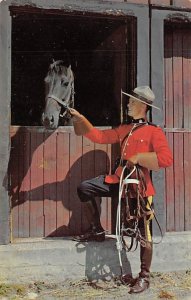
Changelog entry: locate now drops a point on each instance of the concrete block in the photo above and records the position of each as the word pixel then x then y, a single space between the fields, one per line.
pixel 58 259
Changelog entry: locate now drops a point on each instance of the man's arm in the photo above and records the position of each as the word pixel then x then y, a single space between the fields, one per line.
pixel 81 124
pixel 161 157
pixel 83 127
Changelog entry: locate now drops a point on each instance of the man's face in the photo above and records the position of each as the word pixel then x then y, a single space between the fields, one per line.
pixel 136 109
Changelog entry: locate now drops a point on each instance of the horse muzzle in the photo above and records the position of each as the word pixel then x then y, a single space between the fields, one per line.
pixel 50 122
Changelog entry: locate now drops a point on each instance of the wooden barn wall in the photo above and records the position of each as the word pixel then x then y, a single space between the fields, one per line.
pixel 45 169
pixel 115 7
pixel 178 126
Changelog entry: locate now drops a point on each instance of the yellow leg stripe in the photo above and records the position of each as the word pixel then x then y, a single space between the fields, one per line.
pixel 148 232
pixel 150 201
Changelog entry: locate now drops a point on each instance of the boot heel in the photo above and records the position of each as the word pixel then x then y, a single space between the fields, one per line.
pixel 100 237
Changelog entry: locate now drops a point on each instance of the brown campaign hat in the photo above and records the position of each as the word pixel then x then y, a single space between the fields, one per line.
pixel 143 94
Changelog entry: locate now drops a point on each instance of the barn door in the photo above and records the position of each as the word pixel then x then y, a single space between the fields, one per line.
pixel 177 60
pixel 46 167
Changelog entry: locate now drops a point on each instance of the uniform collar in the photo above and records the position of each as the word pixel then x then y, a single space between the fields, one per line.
pixel 138 121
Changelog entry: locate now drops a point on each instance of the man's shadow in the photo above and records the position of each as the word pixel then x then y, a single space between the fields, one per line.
pixel 57 202
pixel 102 260
pixel 54 207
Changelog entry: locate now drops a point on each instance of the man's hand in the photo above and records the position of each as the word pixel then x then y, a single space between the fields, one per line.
pixel 76 116
pixel 147 160
pixel 81 124
pixel 133 160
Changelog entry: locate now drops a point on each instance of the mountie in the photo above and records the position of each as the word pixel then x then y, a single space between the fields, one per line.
pixel 144 148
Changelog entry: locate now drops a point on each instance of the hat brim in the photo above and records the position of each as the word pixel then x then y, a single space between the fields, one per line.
pixel 140 100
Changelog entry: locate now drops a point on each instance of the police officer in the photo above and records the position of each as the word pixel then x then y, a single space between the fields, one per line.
pixel 144 145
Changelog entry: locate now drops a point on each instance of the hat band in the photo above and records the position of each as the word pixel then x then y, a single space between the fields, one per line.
pixel 142 98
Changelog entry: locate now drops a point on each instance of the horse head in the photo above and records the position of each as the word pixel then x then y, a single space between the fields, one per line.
pixel 59 89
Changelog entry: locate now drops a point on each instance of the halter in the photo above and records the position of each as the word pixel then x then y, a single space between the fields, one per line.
pixel 71 95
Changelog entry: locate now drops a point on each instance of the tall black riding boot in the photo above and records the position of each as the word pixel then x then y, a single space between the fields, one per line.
pixel 146 251
pixel 96 231
pixel 143 281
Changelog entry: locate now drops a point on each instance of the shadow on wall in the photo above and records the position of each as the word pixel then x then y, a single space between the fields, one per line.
pixel 43 190
pixel 53 208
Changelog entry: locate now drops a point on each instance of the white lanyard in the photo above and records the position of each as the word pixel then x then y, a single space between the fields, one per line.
pixel 123 149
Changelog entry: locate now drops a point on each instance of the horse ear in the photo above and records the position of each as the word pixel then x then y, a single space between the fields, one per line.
pixel 69 69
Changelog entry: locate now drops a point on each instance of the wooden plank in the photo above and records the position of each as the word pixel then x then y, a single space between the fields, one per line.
pixel 24 183
pixel 88 161
pixel 169 101
pixel 169 190
pixel 36 185
pixel 20 178
pixel 177 77
pixel 75 179
pixel 102 159
pixel 63 178
pixel 50 184
pixel 187 175
pixel 169 122
pixel 186 57
pixel 187 123
pixel 180 130
pixel 88 172
pixel 102 166
pixel 14 182
pixel 179 182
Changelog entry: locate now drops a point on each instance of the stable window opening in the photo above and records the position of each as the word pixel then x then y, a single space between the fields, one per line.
pixel 102 52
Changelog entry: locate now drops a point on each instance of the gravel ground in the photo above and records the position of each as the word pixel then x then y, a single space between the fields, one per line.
pixel 175 285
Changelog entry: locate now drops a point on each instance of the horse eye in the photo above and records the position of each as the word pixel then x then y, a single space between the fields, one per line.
pixel 64 83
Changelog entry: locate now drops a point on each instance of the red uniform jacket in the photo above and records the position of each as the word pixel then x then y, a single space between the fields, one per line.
pixel 147 138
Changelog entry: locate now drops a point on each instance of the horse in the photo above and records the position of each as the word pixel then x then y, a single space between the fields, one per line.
pixel 59 90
